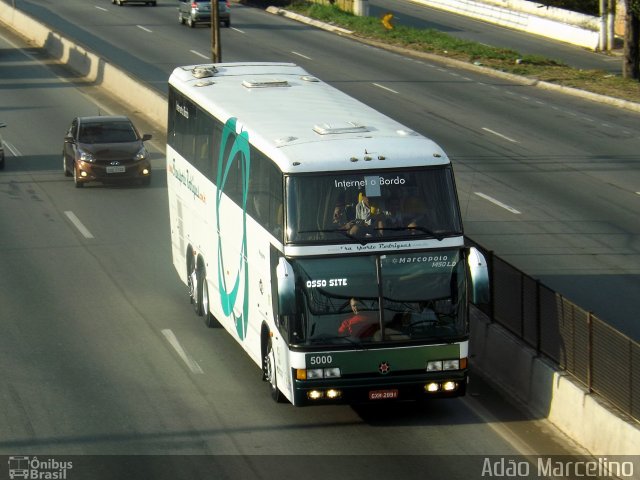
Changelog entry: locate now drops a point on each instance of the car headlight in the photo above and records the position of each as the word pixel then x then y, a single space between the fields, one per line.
pixel 86 156
pixel 142 154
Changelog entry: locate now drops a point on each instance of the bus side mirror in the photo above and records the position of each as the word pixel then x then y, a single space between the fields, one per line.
pixel 286 288
pixel 479 275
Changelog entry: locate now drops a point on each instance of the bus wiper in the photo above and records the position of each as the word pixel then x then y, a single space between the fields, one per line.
pixel 419 228
pixel 328 338
pixel 361 241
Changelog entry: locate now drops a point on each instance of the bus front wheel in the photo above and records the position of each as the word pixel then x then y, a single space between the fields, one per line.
pixel 269 373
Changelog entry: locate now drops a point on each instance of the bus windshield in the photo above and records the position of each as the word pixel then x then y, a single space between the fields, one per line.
pixel 372 206
pixel 420 298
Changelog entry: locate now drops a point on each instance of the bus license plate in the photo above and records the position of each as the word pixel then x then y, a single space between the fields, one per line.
pixel 118 169
pixel 383 394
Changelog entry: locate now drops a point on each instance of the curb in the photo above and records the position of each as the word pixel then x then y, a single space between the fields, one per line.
pixel 309 21
pixel 595 97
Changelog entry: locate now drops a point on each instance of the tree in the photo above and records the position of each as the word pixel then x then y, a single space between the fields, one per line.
pixel 631 62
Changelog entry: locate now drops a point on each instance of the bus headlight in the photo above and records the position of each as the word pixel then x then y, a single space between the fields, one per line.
pixel 314 373
pixel 315 394
pixel 440 365
pixel 451 364
pixel 334 394
pixel 333 372
pixel 449 386
pixel 432 387
pixel 434 366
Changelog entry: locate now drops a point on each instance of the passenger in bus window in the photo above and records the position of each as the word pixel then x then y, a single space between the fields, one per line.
pixel 415 213
pixel 361 323
pixel 369 218
pixel 363 211
pixel 342 214
pixel 392 217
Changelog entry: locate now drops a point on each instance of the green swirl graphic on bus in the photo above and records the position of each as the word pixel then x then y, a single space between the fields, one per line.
pixel 238 152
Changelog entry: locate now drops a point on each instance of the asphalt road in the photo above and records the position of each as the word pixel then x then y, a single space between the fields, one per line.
pixel 90 300
pixel 566 168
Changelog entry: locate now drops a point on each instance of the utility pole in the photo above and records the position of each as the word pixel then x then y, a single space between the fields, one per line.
pixel 631 62
pixel 216 51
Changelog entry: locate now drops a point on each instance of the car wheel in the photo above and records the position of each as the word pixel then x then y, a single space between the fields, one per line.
pixel 76 181
pixel 113 1
pixel 180 18
pixel 269 373
pixel 64 167
pixel 227 23
pixel 119 2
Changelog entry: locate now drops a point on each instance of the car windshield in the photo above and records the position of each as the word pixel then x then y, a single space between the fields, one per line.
pixel 372 206
pixel 112 132
pixel 339 302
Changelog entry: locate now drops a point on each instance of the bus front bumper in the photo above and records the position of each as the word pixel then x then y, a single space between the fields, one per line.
pixel 380 389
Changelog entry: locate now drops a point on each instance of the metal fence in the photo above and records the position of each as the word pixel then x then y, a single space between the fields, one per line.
pixel 606 361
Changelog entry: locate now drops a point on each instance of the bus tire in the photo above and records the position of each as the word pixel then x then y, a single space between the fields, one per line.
pixel 199 290
pixel 209 319
pixel 269 373
pixel 193 282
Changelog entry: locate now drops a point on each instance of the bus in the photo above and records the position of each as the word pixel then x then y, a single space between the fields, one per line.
pixel 325 237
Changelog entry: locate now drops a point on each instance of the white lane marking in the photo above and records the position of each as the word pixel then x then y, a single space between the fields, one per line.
pixel 385 88
pixel 238 30
pixel 101 8
pixel 499 135
pixel 173 341
pixel 144 28
pixel 498 203
pixel 78 224
pixel 301 55
pixel 14 151
pixel 199 54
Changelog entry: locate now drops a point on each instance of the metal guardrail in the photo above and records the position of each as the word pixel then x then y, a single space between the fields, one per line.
pixel 606 361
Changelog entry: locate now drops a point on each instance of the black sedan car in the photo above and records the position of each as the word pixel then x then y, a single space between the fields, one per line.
pixel 105 149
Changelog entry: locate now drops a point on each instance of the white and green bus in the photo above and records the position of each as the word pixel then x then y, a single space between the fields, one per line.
pixel 325 237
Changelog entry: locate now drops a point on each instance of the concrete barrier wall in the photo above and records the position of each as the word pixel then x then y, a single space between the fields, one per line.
pixel 570 27
pixel 499 356
pixel 549 393
pixel 93 68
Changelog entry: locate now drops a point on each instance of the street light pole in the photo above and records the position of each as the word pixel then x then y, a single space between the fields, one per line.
pixel 216 53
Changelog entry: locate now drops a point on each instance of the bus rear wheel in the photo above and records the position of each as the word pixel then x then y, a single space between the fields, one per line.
pixel 194 284
pixel 209 319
